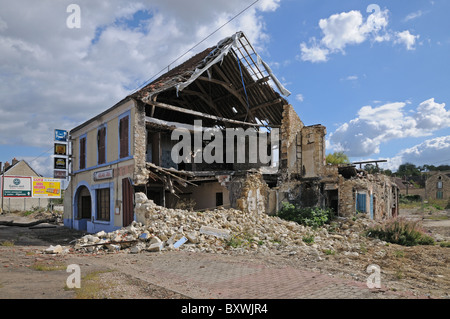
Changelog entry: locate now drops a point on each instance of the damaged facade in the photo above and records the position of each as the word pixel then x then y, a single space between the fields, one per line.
pixel 128 148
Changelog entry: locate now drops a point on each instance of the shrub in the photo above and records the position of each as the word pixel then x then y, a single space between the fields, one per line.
pixel 309 239
pixel 402 232
pixel 308 216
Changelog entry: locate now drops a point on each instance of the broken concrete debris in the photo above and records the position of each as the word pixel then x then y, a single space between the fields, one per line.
pixel 227 231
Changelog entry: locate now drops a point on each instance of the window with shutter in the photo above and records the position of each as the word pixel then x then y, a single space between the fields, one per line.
pixel 101 144
pixel 123 136
pixel 103 204
pixel 83 153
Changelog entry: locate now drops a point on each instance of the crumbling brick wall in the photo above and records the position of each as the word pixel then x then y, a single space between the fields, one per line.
pixel 140 146
pixel 290 134
pixel 254 194
pixel 312 150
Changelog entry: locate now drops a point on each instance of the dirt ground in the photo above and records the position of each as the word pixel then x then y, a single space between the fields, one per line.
pixel 26 272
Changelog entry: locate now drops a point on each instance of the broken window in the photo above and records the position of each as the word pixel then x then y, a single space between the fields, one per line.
pixel 103 204
pixel 219 199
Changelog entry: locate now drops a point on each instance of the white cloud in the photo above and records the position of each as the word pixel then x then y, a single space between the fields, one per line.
pixel 435 151
pixel 55 77
pixel 350 28
pixel 406 38
pixel 314 53
pixel 299 97
pixel 413 15
pixel 374 126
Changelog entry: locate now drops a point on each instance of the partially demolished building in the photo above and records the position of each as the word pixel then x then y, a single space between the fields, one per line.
pixel 134 147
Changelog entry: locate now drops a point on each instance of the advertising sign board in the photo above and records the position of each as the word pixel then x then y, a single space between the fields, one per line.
pixel 17 186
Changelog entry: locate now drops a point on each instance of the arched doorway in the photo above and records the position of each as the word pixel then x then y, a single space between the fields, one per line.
pixel 83 207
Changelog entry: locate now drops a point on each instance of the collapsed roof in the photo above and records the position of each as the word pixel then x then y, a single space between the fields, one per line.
pixel 225 85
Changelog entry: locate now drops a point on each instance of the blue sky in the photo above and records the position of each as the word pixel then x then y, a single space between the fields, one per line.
pixel 378 79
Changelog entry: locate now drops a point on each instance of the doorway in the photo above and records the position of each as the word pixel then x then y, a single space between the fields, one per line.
pixel 83 209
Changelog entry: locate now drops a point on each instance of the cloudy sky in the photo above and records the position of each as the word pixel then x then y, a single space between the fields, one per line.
pixel 375 73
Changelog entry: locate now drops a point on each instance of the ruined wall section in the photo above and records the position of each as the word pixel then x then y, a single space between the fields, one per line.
pixel 313 150
pixel 382 190
pixel 290 135
pixel 254 194
pixel 140 146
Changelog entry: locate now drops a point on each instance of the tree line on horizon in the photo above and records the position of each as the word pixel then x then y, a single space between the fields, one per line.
pixel 404 170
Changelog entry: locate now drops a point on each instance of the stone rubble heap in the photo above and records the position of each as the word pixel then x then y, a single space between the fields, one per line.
pixel 225 231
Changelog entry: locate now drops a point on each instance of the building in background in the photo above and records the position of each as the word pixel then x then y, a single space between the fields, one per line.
pixel 20 202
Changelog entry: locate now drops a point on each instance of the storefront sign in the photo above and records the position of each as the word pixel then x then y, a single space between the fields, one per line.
pixel 60 149
pixel 60 174
pixel 60 163
pixel 106 174
pixel 60 135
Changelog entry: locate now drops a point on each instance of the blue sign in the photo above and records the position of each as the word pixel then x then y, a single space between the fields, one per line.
pixel 60 135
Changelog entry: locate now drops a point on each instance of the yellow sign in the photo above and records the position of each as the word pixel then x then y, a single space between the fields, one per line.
pixel 46 187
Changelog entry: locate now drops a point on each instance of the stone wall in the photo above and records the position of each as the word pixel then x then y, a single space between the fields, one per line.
pixel 140 146
pixel 290 134
pixel 254 194
pixel 383 191
pixel 312 150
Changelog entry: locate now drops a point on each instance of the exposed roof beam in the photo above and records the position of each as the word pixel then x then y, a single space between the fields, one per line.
pixel 263 105
pixel 196 113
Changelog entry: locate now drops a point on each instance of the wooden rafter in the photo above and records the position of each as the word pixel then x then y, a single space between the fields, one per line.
pixel 200 114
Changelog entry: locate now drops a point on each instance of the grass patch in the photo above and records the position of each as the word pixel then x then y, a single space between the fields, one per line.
pixel 442 217
pixel 329 251
pixel 445 244
pixel 399 253
pixel 92 286
pixel 7 243
pixel 239 240
pixel 308 239
pixel 48 266
pixel 402 232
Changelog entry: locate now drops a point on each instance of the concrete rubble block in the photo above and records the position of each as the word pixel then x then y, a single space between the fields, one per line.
pixel 54 249
pixel 113 247
pixel 140 198
pixel 137 248
pixel 192 237
pixel 155 240
pixel 101 234
pixel 154 247
pixel 220 233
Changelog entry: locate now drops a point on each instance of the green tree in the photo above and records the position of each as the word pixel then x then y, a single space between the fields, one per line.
pixel 337 158
pixel 408 169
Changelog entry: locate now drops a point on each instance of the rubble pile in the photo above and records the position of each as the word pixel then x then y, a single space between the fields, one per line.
pixel 224 231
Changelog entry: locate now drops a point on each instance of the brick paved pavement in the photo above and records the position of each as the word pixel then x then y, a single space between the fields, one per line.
pixel 219 276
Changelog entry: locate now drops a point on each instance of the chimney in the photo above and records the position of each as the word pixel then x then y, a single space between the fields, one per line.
pixel 14 161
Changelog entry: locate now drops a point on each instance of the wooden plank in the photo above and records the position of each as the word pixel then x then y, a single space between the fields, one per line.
pixel 200 114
